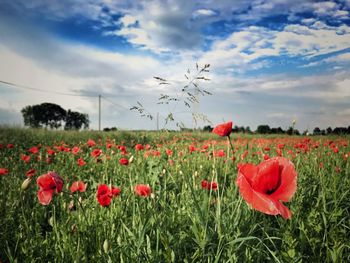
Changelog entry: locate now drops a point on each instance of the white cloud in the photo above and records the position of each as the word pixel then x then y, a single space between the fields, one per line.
pixel 203 13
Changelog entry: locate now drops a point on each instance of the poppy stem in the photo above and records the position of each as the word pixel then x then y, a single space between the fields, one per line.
pixel 78 201
pixel 232 148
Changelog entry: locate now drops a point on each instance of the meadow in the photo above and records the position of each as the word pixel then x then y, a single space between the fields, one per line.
pixel 167 197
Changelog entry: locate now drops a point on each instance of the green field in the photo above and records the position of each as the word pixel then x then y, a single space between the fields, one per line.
pixel 179 221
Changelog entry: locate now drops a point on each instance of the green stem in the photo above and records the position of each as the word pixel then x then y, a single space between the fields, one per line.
pixel 80 204
pixel 232 148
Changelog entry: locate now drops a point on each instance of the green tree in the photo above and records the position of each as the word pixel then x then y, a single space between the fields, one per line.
pixel 53 116
pixel 76 120
pixel 263 129
pixel 30 117
pixel 45 114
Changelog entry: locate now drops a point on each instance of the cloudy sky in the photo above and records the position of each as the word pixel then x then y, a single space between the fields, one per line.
pixel 270 61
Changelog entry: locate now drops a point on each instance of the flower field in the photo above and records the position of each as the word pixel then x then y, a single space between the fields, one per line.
pixel 173 197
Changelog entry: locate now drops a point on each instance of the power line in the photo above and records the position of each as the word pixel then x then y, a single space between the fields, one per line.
pixel 115 104
pixel 45 91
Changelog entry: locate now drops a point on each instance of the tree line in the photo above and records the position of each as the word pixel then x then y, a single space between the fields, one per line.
pixel 265 129
pixel 50 115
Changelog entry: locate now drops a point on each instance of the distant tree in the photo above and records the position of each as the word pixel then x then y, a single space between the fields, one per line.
pixel 248 130
pixel 340 130
pixel 31 117
pixel 329 130
pixel 207 128
pixel 263 129
pixel 45 114
pixel 53 116
pixel 317 131
pixel 76 120
pixel 292 131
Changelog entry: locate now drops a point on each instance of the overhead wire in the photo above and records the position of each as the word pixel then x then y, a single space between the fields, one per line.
pixel 45 91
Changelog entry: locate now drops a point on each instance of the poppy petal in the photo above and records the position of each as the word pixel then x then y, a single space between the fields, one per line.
pixel 283 210
pixel 249 171
pixel 45 196
pixel 258 201
pixel 268 177
pixel 288 184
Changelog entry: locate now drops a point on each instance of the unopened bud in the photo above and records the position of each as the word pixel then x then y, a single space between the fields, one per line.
pixel 131 158
pixel 26 183
pixel 51 221
pixel 106 246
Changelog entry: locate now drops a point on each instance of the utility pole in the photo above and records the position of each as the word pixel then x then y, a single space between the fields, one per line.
pixel 99 112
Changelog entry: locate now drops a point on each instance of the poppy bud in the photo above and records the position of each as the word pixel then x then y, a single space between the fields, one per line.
pixel 26 183
pixel 106 246
pixel 51 221
pixel 131 158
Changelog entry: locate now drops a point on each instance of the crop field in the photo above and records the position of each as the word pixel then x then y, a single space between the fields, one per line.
pixel 173 197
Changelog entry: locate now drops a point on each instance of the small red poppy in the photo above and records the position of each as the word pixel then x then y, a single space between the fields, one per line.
pixel 34 150
pixel 209 185
pixel 4 171
pixel 124 161
pixel 224 129
pixel 115 191
pixel 264 186
pixel 30 173
pixel 138 147
pixel 75 150
pixel 25 158
pixel 48 184
pixel 96 153
pixel 81 162
pixel 91 143
pixel 10 146
pixel 143 190
pixel 104 195
pixel 78 186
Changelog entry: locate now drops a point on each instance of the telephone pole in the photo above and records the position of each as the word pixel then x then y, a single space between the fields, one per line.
pixel 99 112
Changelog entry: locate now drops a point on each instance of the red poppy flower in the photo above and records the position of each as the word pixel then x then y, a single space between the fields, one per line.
pixel 143 190
pixel 50 151
pixel 91 143
pixel 78 186
pixel 115 191
pixel 34 150
pixel 209 185
pixel 30 173
pixel 25 158
pixel 48 184
pixel 96 153
pixel 81 162
pixel 75 150
pixel 104 195
pixel 224 129
pixel 138 147
pixel 4 171
pixel 124 161
pixel 264 186
pixel 10 146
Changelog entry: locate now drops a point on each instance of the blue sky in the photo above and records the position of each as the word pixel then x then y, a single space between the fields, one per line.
pixel 271 61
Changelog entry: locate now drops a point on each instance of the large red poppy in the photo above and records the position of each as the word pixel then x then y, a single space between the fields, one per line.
pixel 48 184
pixel 264 186
pixel 224 129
